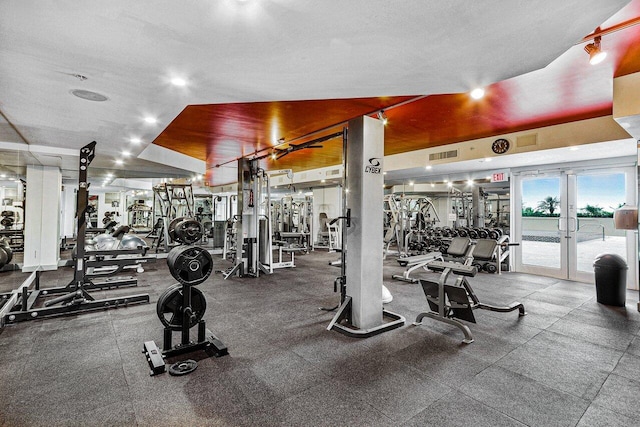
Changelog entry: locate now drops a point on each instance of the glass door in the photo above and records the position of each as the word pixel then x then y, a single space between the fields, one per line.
pixel 564 219
pixel 597 195
pixel 539 221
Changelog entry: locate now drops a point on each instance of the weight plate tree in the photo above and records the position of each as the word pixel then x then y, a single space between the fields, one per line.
pixel 182 307
pixel 190 265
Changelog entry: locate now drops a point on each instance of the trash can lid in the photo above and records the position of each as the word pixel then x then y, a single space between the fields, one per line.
pixel 610 261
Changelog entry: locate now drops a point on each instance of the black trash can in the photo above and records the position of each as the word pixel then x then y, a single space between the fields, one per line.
pixel 611 279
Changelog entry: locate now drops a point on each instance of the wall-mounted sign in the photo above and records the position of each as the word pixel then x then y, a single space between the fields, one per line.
pixel 499 176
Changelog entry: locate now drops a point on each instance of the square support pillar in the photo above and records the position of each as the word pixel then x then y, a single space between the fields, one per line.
pixel 365 152
pixel 42 218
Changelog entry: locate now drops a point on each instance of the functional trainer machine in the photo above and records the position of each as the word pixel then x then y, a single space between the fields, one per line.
pixel 448 303
pixel 74 298
pixel 361 313
pixel 180 308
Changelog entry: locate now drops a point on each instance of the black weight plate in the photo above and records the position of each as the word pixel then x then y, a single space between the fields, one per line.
pixel 190 265
pixel 183 368
pixel 170 305
pixel 493 234
pixel 172 227
pixel 188 231
pixel 9 252
pixel 4 258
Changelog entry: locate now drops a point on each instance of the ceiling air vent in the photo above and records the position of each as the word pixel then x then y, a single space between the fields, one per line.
pixel 527 140
pixel 443 155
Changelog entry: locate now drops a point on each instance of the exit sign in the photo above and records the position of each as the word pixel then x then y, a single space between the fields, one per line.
pixel 499 176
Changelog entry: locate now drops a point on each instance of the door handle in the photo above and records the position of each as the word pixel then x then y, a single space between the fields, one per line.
pixel 561 219
pixel 575 224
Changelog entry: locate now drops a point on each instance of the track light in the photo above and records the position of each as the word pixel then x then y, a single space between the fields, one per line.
pixel 383 117
pixel 596 55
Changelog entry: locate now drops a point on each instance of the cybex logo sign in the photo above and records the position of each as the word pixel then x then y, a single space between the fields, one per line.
pixel 373 166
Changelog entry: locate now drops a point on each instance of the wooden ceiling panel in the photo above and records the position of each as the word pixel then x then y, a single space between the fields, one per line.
pixel 568 89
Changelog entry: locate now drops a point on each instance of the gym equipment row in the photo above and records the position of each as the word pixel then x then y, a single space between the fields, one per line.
pixel 75 297
pixel 488 255
pixel 109 253
pixel 448 303
pixel 180 308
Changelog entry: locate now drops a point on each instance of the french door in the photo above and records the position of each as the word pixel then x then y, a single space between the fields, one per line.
pixel 562 220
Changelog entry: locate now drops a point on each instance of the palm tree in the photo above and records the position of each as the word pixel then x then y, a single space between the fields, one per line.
pixel 594 211
pixel 549 204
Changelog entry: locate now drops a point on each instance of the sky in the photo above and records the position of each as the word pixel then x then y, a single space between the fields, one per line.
pixel 606 191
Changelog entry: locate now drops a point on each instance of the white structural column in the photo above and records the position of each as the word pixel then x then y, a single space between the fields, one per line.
pixel 365 152
pixel 42 215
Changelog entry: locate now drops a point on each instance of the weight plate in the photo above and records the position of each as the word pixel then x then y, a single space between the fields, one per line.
pixel 170 306
pixel 183 368
pixel 3 257
pixel 188 231
pixel 190 265
pixel 9 252
pixel 493 234
pixel 172 227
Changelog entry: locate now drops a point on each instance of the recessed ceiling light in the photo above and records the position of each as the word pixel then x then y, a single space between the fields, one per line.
pixel 469 182
pixel 150 120
pixel 428 167
pixel 135 140
pixel 573 148
pixel 487 159
pixel 477 93
pixel 4 175
pixel 88 95
pixel 119 162
pixel 323 180
pixel 410 182
pixel 126 153
pixel 432 184
pixel 177 81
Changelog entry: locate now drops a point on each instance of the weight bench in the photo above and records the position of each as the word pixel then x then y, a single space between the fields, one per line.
pixel 415 262
pixel 451 302
pixel 489 254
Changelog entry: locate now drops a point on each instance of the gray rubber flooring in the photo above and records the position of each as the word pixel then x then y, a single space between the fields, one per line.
pixel 570 361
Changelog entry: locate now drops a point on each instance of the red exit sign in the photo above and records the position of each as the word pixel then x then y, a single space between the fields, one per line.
pixel 499 177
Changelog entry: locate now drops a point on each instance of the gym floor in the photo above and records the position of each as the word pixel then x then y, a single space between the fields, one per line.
pixel 570 361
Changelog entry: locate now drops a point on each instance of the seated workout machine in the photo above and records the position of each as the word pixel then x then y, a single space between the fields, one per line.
pixel 448 303
pixel 180 308
pixel 489 254
pixel 415 262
